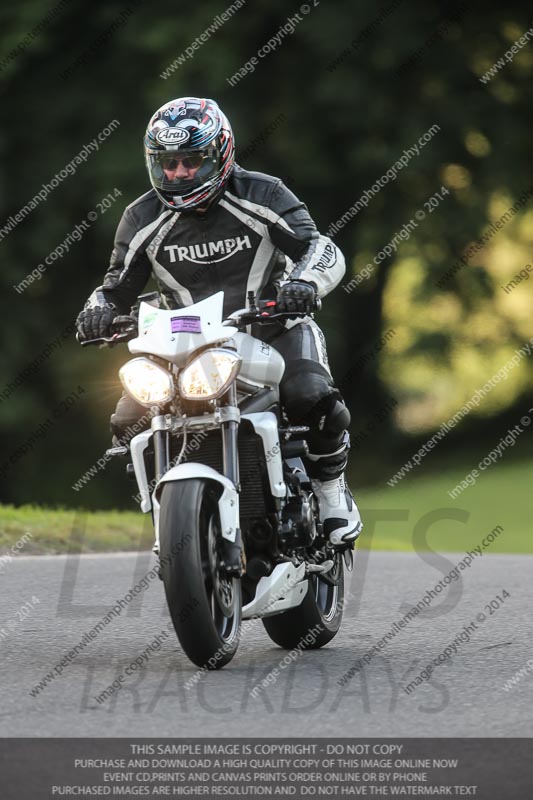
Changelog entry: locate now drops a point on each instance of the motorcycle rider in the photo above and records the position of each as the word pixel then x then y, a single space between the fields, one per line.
pixel 209 225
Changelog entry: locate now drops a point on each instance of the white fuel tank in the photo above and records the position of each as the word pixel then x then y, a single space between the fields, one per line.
pixel 261 363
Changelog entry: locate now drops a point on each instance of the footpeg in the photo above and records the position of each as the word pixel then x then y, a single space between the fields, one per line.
pixel 117 451
pixel 320 568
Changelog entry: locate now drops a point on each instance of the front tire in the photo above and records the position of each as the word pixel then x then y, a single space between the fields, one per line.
pixel 317 620
pixel 205 606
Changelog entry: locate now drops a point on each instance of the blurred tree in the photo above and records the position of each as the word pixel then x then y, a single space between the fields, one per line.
pixel 356 91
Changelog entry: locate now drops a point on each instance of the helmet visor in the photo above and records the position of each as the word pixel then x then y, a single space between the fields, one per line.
pixel 179 172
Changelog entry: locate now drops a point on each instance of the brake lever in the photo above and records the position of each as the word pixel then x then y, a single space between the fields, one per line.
pixel 110 341
pixel 264 316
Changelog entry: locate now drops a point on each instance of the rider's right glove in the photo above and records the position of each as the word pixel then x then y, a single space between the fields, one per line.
pixel 95 322
pixel 297 296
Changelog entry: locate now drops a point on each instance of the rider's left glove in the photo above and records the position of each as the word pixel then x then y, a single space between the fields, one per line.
pixel 298 296
pixel 95 322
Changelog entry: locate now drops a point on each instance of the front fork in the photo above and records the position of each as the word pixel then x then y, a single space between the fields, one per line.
pixel 230 433
pixel 232 558
pixel 231 553
pixel 161 442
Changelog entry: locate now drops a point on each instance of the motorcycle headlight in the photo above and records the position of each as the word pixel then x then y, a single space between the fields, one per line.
pixel 147 382
pixel 209 375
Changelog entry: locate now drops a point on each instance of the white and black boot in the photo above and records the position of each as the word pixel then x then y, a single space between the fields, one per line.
pixel 338 511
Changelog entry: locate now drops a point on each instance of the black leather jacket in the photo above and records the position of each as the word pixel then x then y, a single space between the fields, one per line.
pixel 255 236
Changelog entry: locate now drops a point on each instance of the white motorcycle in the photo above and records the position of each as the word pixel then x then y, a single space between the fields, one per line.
pixel 236 521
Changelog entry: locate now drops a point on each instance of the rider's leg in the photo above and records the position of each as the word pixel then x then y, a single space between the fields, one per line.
pixel 309 397
pixel 129 419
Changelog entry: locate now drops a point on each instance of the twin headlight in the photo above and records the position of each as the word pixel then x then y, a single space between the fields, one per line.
pixel 147 382
pixel 205 378
pixel 209 375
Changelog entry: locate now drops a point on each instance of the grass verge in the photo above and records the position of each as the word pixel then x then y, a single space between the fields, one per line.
pixel 64 530
pixel 417 514
pixel 499 497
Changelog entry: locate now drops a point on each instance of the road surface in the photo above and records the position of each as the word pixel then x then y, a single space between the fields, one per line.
pixel 66 596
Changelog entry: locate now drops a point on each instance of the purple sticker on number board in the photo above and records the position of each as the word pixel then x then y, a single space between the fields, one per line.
pixel 185 325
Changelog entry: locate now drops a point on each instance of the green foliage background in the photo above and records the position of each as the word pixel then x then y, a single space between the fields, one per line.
pixel 344 125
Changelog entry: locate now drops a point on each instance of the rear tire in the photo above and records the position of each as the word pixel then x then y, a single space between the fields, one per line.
pixel 317 620
pixel 205 607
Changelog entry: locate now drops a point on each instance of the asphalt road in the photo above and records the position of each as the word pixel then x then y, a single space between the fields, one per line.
pixel 464 697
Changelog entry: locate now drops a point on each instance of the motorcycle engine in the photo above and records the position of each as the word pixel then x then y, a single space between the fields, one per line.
pixel 298 528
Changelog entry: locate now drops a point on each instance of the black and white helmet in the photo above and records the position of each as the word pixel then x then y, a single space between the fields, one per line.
pixel 190 152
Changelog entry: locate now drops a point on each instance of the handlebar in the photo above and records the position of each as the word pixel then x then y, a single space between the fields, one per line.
pixel 266 313
pixel 129 331
pixel 127 326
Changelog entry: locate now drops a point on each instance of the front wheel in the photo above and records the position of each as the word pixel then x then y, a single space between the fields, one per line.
pixel 204 605
pixel 318 618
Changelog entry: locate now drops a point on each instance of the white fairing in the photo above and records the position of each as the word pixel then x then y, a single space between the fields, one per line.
pixel 174 335
pixel 262 365
pixel 138 445
pixel 266 425
pixel 284 588
pixel 228 503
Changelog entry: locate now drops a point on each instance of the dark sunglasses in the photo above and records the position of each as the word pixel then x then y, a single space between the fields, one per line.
pixel 189 162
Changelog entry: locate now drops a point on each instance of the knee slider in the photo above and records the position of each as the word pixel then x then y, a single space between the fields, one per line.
pixel 330 416
pixel 338 418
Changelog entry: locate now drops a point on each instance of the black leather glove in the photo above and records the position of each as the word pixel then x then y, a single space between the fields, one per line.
pixel 124 323
pixel 94 323
pixel 299 296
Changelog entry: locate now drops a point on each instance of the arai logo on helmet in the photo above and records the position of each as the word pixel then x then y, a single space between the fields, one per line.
pixel 173 136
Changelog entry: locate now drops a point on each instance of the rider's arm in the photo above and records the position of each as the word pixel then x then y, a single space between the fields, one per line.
pixel 316 258
pixel 129 267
